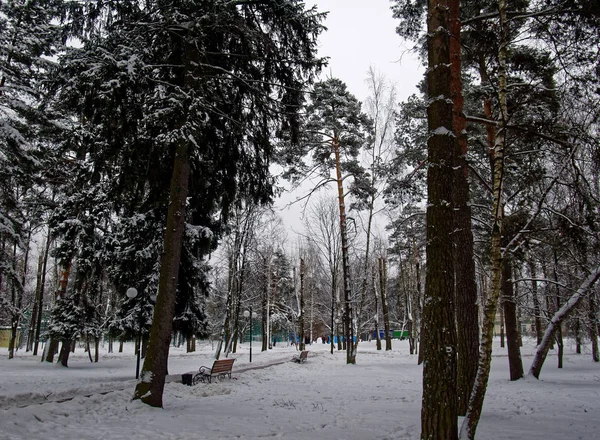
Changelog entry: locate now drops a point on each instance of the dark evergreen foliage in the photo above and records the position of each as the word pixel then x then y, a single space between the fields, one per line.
pixel 149 75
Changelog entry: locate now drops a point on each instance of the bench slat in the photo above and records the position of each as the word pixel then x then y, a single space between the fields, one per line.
pixel 220 367
pixel 301 358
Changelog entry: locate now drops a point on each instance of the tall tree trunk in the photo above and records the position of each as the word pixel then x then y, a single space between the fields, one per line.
pixel 88 348
pixel 467 313
pixel 40 297
pixel 593 326
pixel 226 333
pixel 348 314
pixel 14 336
pixel 517 295
pixel 502 328
pixel 150 389
pixel 301 317
pixel 537 310
pixel 549 299
pixel 366 266
pixel 333 310
pixel 557 318
pixel 53 344
pixel 384 303
pixel 515 362
pixel 559 336
pixel 439 403
pixel 577 335
pixel 36 302
pixel 376 307
pixel 65 351
pixel 419 307
pixel 265 303
pixel 471 420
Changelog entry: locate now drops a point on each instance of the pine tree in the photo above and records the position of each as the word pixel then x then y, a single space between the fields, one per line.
pixel 439 409
pixel 334 132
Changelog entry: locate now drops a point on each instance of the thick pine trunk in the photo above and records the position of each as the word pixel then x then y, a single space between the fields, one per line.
pixel 515 362
pixel 439 403
pixel 348 313
pixel 152 383
pixel 467 313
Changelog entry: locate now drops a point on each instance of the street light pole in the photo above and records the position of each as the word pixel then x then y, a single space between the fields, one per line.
pixel 250 314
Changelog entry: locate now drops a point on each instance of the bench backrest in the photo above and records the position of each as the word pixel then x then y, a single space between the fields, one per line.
pixel 222 365
pixel 304 354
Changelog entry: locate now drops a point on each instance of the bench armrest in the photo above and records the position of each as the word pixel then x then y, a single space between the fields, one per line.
pixel 204 370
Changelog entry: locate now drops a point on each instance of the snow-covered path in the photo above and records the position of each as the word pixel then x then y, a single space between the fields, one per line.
pixel 379 398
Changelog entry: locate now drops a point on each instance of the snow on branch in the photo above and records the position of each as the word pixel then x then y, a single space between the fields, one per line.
pixel 559 316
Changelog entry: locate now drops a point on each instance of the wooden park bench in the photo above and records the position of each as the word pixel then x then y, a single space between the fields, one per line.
pixel 300 358
pixel 220 369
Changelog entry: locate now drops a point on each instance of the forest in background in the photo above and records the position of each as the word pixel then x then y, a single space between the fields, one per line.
pixel 142 145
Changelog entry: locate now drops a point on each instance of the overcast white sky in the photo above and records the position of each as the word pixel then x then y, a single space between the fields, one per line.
pixel 362 33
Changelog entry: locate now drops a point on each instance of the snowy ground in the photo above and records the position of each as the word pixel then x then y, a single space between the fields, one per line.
pixel 378 398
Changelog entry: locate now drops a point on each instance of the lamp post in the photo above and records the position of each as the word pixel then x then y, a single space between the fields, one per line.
pixel 251 315
pixel 132 293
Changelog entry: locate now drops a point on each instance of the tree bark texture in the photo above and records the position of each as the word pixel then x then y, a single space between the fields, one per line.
pixel 515 363
pixel 467 312
pixel 152 378
pixel 439 403
pixel 348 314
